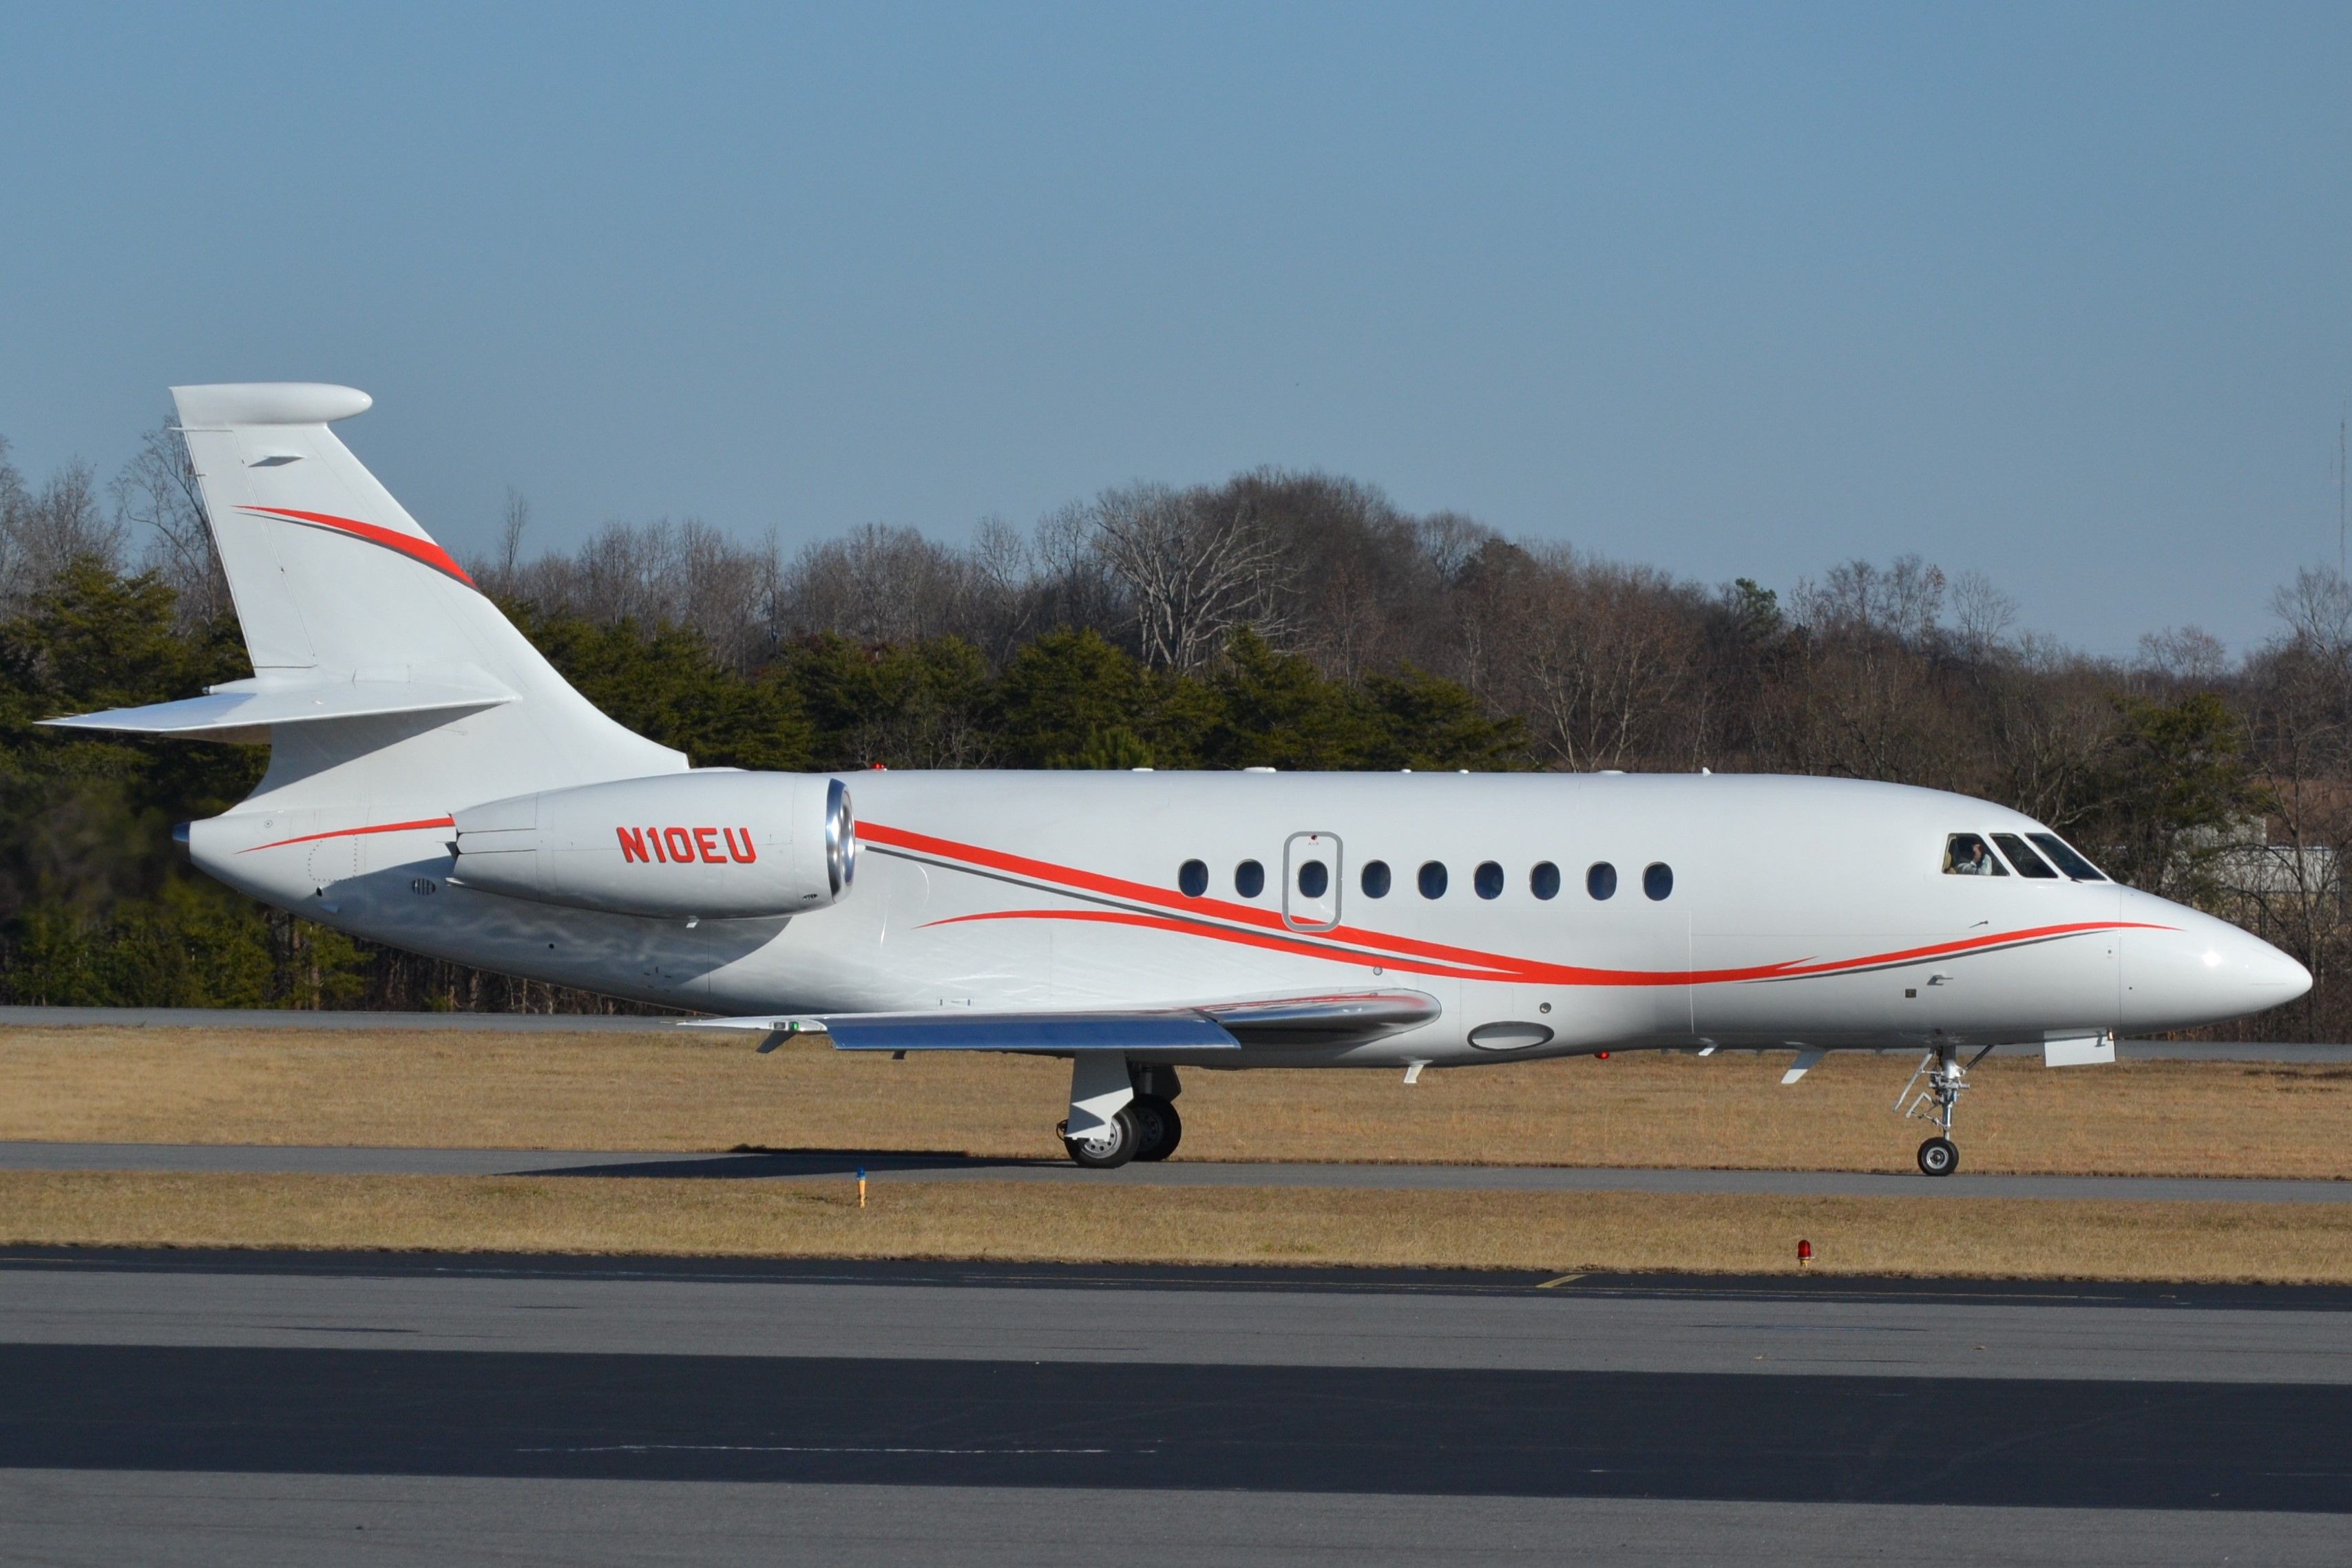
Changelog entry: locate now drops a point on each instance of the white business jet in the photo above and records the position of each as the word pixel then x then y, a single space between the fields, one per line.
pixel 433 784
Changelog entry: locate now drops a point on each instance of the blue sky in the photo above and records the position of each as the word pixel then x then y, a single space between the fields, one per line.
pixel 2061 294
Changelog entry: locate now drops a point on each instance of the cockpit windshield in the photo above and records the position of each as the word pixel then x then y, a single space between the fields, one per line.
pixel 2069 859
pixel 2022 857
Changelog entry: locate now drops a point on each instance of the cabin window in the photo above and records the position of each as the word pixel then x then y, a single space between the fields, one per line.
pixel 1314 879
pixel 2027 863
pixel 2070 860
pixel 1192 877
pixel 1375 879
pixel 1249 879
pixel 1544 881
pixel 1967 854
pixel 1488 880
pixel 1658 879
pixel 1432 879
pixel 1600 882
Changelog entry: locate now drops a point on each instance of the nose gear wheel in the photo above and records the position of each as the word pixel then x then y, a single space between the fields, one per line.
pixel 1947 1079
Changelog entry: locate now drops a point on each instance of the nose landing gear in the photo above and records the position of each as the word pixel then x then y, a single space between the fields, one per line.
pixel 1947 1079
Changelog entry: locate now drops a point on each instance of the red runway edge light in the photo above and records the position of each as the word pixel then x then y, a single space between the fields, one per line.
pixel 1805 1254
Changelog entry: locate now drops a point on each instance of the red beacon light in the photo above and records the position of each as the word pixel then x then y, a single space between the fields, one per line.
pixel 1805 1254
pixel 1600 1056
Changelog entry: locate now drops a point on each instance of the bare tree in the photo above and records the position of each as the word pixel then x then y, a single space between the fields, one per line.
pixel 1903 601
pixel 1981 613
pixel 2317 609
pixel 1607 654
pixel 43 532
pixel 513 519
pixel 1871 697
pixel 1193 568
pixel 14 496
pixel 2049 716
pixel 883 584
pixel 2184 656
pixel 156 495
pixel 684 574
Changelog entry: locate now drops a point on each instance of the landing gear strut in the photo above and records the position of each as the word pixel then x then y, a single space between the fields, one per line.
pixel 1947 1079
pixel 1124 1111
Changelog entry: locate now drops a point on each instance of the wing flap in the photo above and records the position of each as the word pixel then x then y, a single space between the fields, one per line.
pixel 1327 1019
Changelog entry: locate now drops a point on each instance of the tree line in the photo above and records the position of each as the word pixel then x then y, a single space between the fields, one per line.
pixel 1295 620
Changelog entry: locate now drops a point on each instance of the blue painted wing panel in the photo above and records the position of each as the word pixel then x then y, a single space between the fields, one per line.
pixel 1288 1021
pixel 946 1030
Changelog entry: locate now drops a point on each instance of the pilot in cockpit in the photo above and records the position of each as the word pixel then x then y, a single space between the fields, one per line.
pixel 1966 854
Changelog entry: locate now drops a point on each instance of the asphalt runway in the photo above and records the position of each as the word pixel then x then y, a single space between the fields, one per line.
pixel 254 1408
pixel 839 1165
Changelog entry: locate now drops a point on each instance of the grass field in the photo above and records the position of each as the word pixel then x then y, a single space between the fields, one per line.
pixel 1554 1232
pixel 710 1091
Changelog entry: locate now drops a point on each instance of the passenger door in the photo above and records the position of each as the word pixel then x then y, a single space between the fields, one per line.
pixel 1311 881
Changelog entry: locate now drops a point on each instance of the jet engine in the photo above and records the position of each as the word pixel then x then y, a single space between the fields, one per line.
pixel 709 845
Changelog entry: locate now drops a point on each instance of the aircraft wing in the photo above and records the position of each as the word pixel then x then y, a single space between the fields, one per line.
pixel 1324 1018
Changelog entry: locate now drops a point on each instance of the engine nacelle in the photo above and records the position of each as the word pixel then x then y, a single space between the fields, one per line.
pixel 717 845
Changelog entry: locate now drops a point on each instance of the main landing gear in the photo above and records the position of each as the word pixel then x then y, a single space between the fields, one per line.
pixel 1947 1079
pixel 1128 1112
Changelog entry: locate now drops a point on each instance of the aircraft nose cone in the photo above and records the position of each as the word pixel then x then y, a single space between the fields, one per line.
pixel 2202 970
pixel 2273 971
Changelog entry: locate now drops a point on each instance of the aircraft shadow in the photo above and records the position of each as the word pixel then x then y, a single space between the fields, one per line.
pixel 746 1165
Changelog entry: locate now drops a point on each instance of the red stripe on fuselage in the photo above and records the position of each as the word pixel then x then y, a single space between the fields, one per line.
pixel 354 833
pixel 409 545
pixel 1263 928
pixel 1298 946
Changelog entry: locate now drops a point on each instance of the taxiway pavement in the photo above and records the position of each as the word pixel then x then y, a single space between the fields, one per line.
pixel 831 1165
pixel 163 1407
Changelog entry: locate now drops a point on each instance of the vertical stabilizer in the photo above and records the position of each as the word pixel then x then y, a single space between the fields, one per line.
pixel 337 586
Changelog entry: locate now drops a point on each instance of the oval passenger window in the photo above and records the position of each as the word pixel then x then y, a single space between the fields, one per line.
pixel 1375 879
pixel 1249 879
pixel 1488 880
pixel 1600 882
pixel 1659 880
pixel 1192 877
pixel 1433 879
pixel 1314 880
pixel 1544 881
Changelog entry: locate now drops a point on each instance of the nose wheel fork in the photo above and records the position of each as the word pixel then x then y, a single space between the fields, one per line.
pixel 1947 1080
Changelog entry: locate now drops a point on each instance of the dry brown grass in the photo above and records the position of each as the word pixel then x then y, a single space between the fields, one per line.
pixel 705 1091
pixel 1553 1232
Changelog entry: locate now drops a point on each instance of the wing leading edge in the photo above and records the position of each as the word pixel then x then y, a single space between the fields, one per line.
pixel 1345 1019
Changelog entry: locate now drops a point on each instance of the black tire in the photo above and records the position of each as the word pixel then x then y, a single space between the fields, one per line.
pixel 1159 1125
pixel 1109 1149
pixel 1939 1158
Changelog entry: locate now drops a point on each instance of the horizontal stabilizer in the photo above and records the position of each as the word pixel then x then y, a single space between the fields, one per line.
pixel 245 710
pixel 1323 1020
